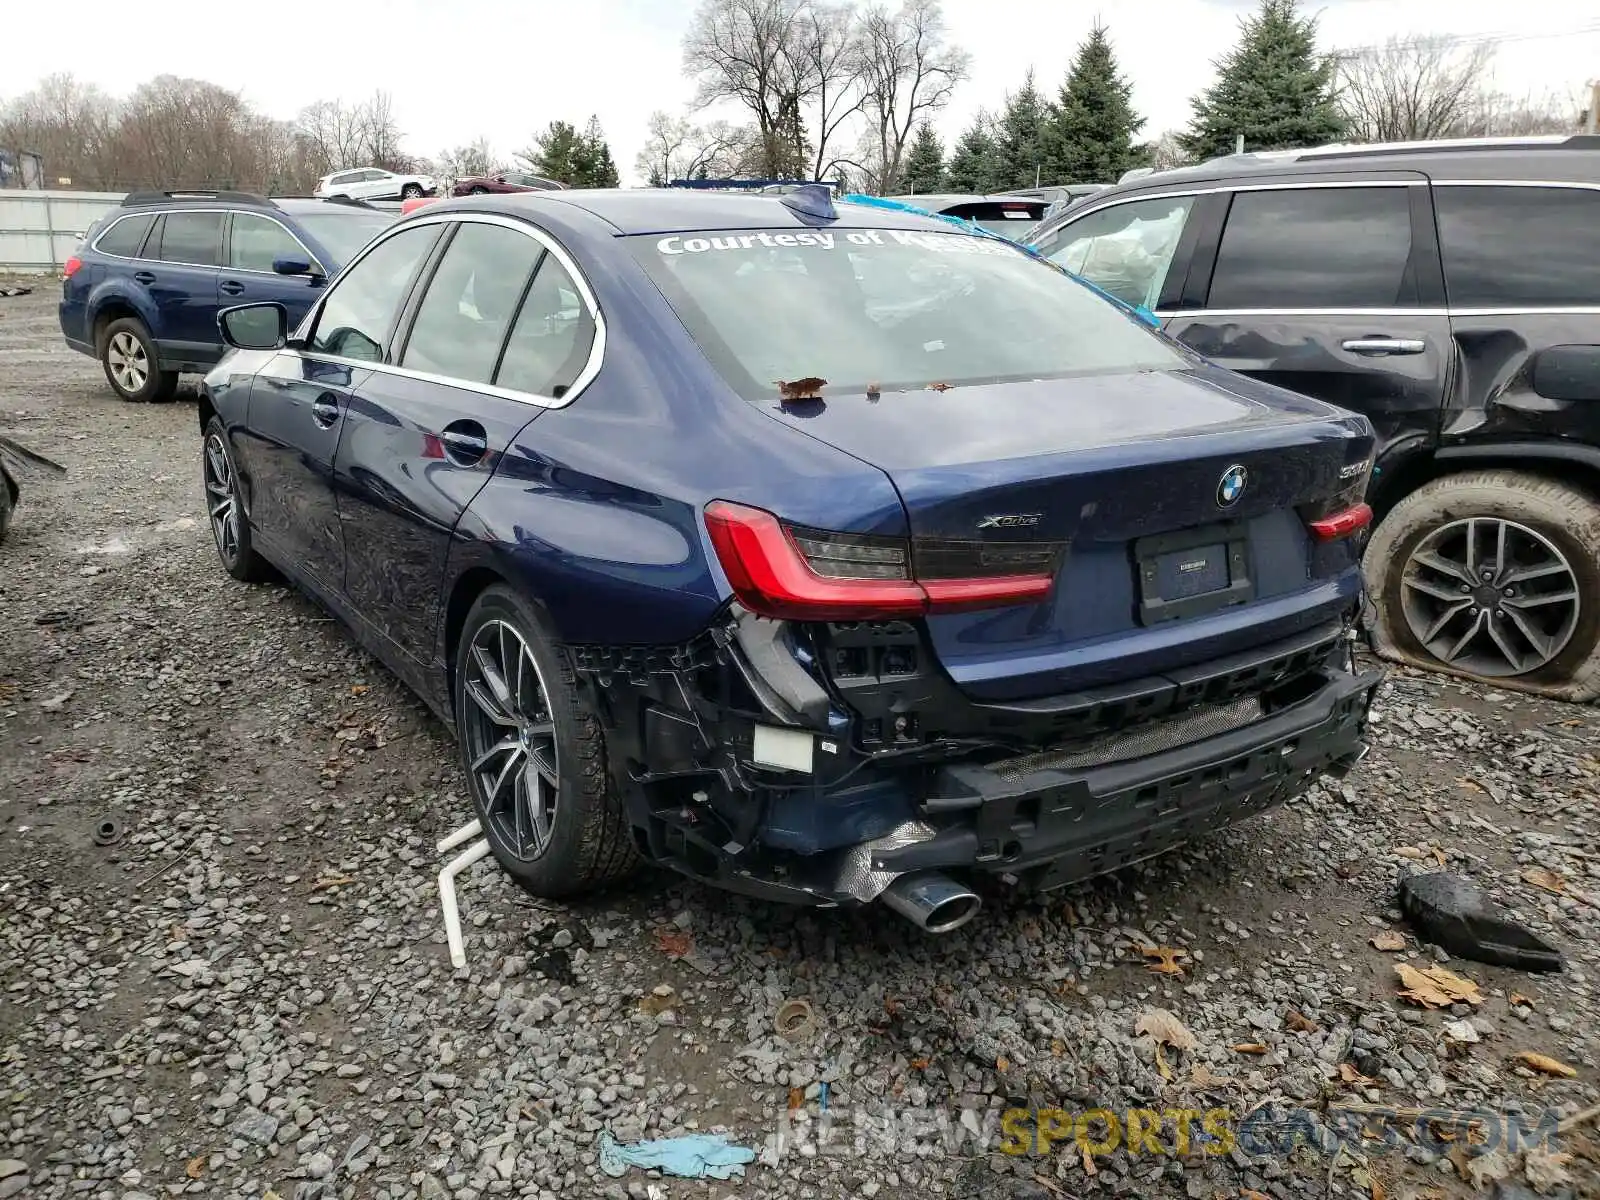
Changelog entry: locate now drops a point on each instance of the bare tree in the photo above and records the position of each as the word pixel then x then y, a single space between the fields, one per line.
pixel 70 125
pixel 754 53
pixel 1167 152
pixel 676 149
pixel 835 61
pixel 1411 89
pixel 1497 114
pixel 466 162
pixel 908 73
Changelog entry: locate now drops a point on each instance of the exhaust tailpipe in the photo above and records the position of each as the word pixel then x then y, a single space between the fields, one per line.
pixel 932 901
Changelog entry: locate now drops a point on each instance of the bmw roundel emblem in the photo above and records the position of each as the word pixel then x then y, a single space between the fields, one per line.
pixel 1231 486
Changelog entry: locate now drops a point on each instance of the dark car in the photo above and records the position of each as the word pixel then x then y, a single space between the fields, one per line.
pixel 704 563
pixel 1450 291
pixel 1009 216
pixel 504 182
pixel 142 292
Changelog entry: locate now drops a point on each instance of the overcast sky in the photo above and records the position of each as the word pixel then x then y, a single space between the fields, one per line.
pixel 459 69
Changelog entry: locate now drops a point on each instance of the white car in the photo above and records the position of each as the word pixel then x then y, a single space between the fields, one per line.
pixel 371 183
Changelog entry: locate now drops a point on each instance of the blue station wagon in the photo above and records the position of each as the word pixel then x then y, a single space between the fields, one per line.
pixel 824 552
pixel 143 291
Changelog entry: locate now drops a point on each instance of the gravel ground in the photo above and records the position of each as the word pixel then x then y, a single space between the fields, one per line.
pixel 248 994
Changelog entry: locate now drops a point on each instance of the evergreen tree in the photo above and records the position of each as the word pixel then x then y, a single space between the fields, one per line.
pixel 594 167
pixel 924 165
pixel 1089 137
pixel 555 153
pixel 1273 87
pixel 973 165
pixel 1019 137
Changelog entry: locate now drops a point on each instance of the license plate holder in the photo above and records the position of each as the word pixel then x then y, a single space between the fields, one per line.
pixel 1193 571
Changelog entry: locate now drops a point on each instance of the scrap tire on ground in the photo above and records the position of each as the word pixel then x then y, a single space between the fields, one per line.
pixel 590 843
pixel 7 507
pixel 1567 517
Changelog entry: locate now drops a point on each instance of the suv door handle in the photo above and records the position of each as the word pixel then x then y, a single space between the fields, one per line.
pixel 465 442
pixel 232 287
pixel 325 410
pixel 144 276
pixel 1384 345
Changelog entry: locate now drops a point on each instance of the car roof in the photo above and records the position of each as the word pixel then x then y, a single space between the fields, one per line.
pixel 681 210
pixel 1573 158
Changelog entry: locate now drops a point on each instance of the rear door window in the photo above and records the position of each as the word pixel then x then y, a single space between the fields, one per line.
pixel 1520 247
pixel 1127 250
pixel 126 236
pixel 191 237
pixel 461 323
pixel 1316 248
pixel 553 336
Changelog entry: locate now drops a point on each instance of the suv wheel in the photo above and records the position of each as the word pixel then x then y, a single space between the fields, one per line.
pixel 225 511
pixel 411 191
pixel 534 754
pixel 1494 575
pixel 129 357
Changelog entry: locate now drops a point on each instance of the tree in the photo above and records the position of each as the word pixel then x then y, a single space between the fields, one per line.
pixel 1411 90
pixel 466 162
pixel 359 135
pixel 907 75
pixel 580 160
pixel 1274 88
pixel 1090 134
pixel 70 125
pixel 676 149
pixel 1165 152
pixel 924 167
pixel 755 52
pixel 974 162
pixel 1019 137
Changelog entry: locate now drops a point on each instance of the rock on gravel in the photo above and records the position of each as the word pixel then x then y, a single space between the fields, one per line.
pixel 250 990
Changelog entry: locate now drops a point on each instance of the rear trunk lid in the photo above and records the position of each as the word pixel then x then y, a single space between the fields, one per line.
pixel 1179 502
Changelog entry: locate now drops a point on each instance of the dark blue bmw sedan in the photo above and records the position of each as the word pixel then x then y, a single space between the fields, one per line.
pixel 824 552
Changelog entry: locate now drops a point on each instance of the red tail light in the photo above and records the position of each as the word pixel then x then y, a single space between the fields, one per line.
pixel 70 267
pixel 1341 524
pixel 806 575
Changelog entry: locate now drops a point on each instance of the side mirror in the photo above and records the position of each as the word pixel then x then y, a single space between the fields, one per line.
pixel 262 326
pixel 291 266
pixel 1567 373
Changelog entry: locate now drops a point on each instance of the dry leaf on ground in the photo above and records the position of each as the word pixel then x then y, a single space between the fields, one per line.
pixel 1544 1063
pixel 1251 1047
pixel 1002 1064
pixel 1389 939
pixel 1545 1171
pixel 672 941
pixel 1088 1161
pixel 1517 998
pixel 1488 1168
pixel 1201 1077
pixel 1165 1028
pixel 195 1167
pixel 1161 1063
pixel 1252 1194
pixel 1349 1074
pixel 1164 959
pixel 1411 852
pixel 1435 987
pixel 1550 881
pixel 1299 1022
pixel 797 1098
pixel 920 1064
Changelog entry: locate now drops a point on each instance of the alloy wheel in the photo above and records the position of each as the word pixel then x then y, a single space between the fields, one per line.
pixel 130 365
pixel 511 739
pixel 1490 596
pixel 220 501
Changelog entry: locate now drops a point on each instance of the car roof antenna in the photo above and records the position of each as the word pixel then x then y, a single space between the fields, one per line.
pixel 811 200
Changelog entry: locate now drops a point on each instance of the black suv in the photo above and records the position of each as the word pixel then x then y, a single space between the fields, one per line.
pixel 1448 290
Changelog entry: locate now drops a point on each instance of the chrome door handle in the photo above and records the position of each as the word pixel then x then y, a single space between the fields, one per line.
pixel 325 411
pixel 1383 345
pixel 465 442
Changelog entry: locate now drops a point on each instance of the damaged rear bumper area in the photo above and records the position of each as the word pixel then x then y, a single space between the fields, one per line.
pixel 789 763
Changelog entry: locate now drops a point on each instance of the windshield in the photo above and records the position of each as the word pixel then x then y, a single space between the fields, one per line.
pixel 343 234
pixel 893 308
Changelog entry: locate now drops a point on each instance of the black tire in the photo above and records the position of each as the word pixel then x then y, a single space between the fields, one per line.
pixel 411 191
pixel 236 554
pixel 1552 524
pixel 589 843
pixel 477 191
pixel 128 356
pixel 7 507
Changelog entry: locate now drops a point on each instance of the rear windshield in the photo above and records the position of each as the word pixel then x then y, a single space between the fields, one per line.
pixel 895 309
pixel 342 234
pixel 1008 220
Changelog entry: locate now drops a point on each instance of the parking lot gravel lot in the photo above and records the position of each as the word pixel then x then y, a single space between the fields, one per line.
pixel 246 992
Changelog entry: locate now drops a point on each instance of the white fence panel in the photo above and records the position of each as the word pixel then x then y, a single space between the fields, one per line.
pixel 40 230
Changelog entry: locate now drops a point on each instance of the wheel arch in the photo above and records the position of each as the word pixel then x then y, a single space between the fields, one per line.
pixel 113 307
pixel 1571 463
